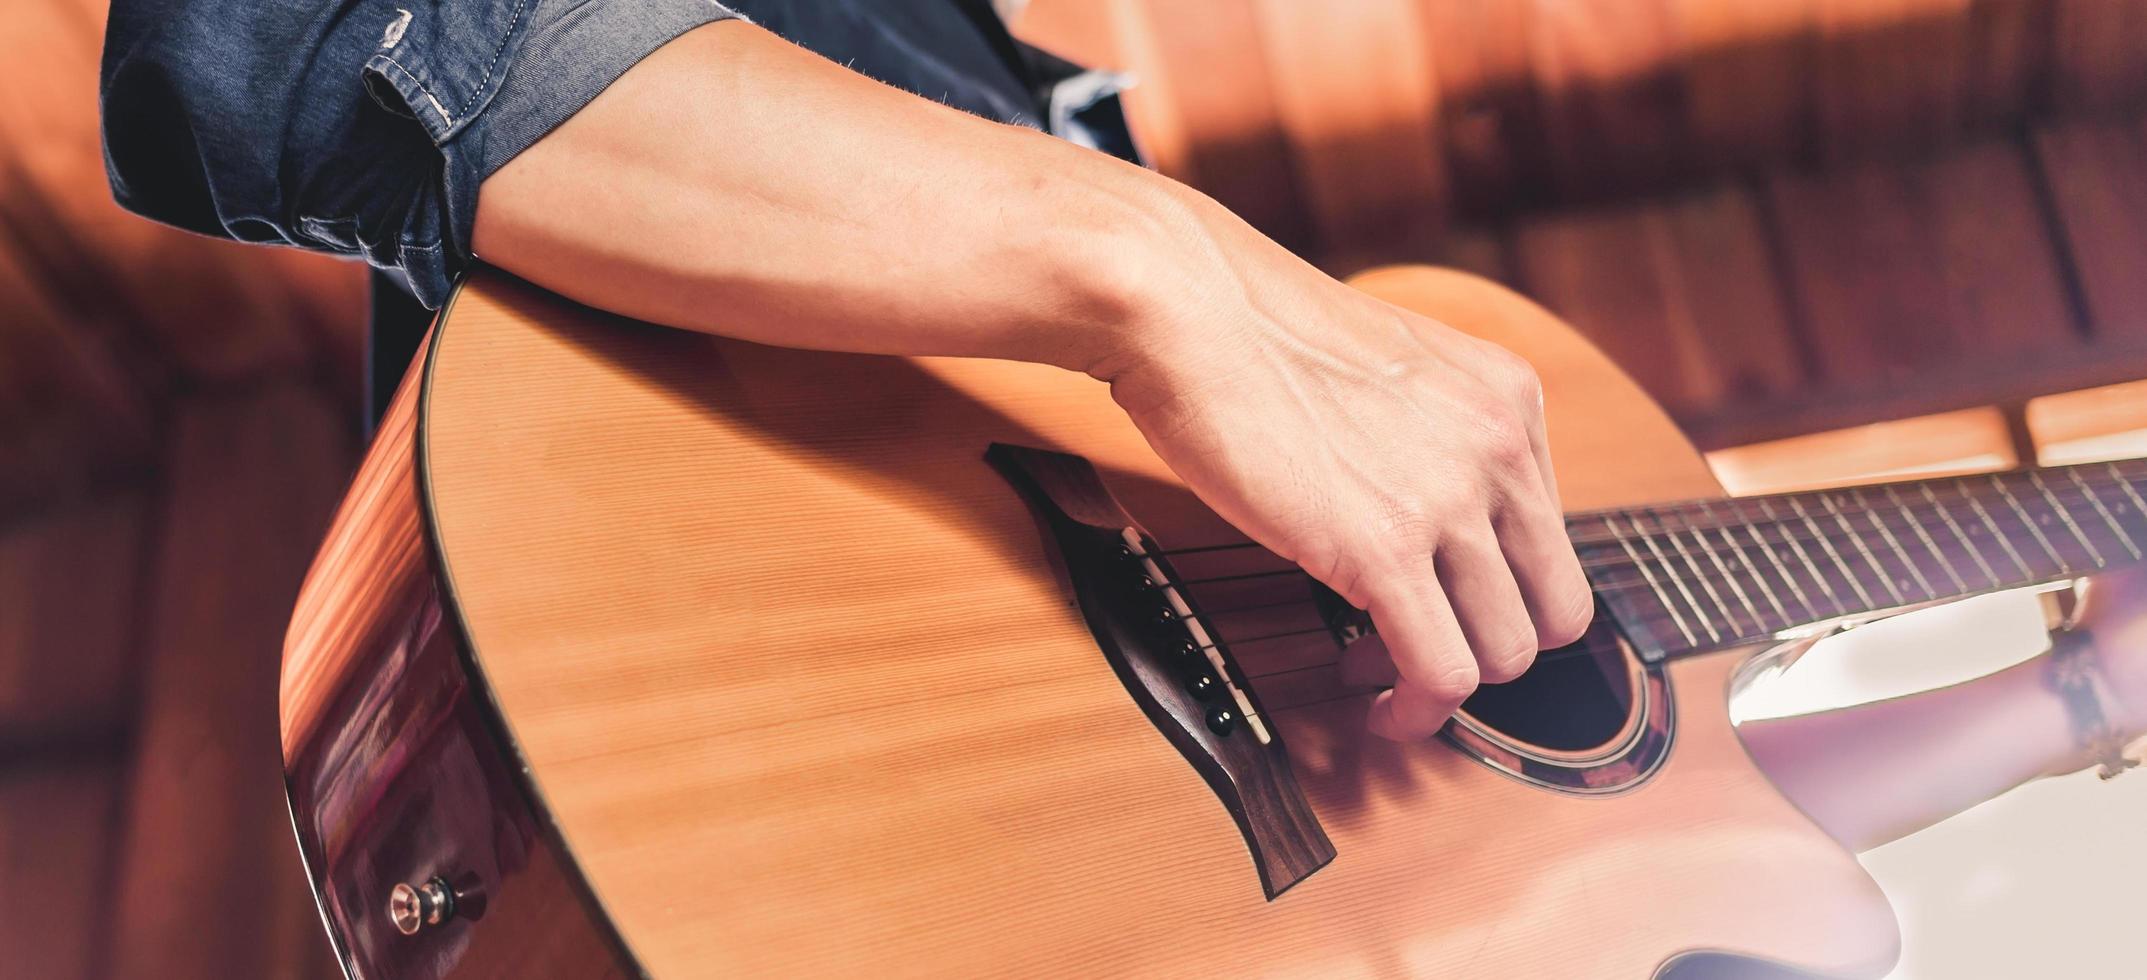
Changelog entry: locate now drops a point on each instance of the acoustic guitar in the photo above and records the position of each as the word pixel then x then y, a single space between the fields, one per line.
pixel 637 651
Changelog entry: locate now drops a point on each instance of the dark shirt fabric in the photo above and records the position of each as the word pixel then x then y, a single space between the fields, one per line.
pixel 363 127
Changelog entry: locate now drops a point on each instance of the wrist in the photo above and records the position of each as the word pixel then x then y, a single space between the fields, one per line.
pixel 1130 263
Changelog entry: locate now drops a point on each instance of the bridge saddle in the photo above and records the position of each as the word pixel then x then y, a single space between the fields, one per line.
pixel 1177 670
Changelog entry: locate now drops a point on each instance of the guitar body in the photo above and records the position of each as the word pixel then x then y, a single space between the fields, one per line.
pixel 673 654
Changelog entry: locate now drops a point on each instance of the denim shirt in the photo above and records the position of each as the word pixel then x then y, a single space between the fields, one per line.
pixel 364 127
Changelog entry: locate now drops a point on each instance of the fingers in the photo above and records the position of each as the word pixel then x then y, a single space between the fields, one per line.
pixel 1530 394
pixel 1438 640
pixel 1536 552
pixel 1487 605
pixel 1435 669
pixel 1527 516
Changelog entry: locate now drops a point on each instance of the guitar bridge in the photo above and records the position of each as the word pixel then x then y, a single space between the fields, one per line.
pixel 1178 672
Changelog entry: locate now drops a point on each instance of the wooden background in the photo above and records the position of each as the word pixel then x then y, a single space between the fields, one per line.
pixel 1782 215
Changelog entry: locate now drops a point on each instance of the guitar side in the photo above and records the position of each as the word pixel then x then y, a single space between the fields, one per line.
pixel 396 765
pixel 797 691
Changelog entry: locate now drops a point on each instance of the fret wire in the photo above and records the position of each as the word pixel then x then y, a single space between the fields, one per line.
pixel 2026 573
pixel 1788 530
pixel 1853 510
pixel 2040 537
pixel 2107 517
pixel 1973 551
pixel 1828 546
pixel 1857 540
pixel 1929 545
pixel 1600 585
pixel 1729 578
pixel 1871 514
pixel 1804 559
pixel 1787 536
pixel 1697 536
pixel 1665 599
pixel 2139 506
pixel 1707 585
pixel 1746 560
pixel 1780 568
pixel 1846 509
pixel 2065 514
pixel 1810 567
pixel 1698 517
pixel 1714 551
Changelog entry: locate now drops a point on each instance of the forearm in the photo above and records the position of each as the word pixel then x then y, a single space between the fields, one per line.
pixel 1876 772
pixel 794 202
pixel 735 184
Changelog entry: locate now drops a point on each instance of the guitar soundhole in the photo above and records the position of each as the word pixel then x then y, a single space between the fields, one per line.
pixel 1282 627
pixel 1574 699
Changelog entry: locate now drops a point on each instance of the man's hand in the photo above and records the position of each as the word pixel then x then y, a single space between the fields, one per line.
pixel 1395 459
pixel 734 183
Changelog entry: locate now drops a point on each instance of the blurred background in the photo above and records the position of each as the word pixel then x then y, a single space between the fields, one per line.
pixel 1838 238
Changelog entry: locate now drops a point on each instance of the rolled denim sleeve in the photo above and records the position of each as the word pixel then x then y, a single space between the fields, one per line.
pixel 362 127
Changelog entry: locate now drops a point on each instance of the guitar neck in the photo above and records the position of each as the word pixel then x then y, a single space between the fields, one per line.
pixel 1702 575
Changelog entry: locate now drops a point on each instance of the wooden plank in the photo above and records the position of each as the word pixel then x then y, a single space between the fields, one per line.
pixel 1746 67
pixel 1355 92
pixel 1681 294
pixel 69 580
pixel 56 819
pixel 1854 261
pixel 1469 248
pixel 1899 267
pixel 50 365
pixel 61 458
pixel 1611 97
pixel 1483 251
pixel 1488 128
pixel 2099 54
pixel 1998 262
pixel 1206 61
pixel 2009 45
pixel 1945 386
pixel 252 481
pixel 1889 74
pixel 2097 178
pixel 2098 423
pixel 220 311
pixel 1968 441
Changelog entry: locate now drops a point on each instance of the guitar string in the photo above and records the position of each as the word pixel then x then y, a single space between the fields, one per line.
pixel 1603 586
pixel 1785 529
pixel 1662 514
pixel 1767 534
pixel 1599 586
pixel 2116 481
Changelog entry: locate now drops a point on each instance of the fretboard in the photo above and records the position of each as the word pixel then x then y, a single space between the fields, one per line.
pixel 1701 575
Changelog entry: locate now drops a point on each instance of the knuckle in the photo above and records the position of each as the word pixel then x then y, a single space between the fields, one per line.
pixel 1332 566
pixel 1570 616
pixel 1405 528
pixel 1505 440
pixel 1452 683
pixel 1514 376
pixel 1510 658
pixel 1511 661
